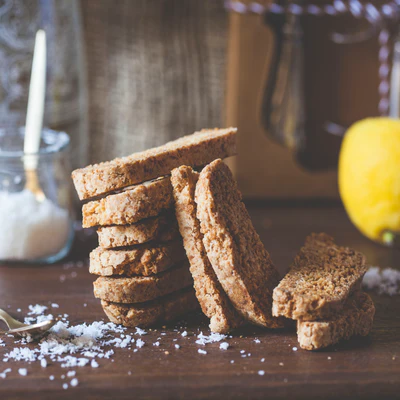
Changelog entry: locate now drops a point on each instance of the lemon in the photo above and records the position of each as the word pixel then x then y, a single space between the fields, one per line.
pixel 369 177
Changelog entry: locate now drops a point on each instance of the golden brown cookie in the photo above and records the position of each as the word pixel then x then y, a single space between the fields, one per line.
pixel 237 255
pixel 356 318
pixel 147 259
pixel 129 206
pixel 197 149
pixel 142 288
pixel 213 300
pixel 164 309
pixel 322 277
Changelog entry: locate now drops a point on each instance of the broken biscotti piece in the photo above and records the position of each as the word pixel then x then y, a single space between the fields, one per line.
pixel 237 255
pixel 129 206
pixel 322 277
pixel 195 150
pixel 164 309
pixel 138 289
pixel 213 300
pixel 356 318
pixel 147 259
pixel 162 228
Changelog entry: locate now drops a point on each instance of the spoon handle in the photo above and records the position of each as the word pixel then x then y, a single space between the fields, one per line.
pixel 10 321
pixel 36 99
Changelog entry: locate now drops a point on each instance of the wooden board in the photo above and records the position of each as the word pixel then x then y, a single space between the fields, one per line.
pixel 361 368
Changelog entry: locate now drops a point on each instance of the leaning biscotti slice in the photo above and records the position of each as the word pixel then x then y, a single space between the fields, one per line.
pixel 162 228
pixel 147 259
pixel 138 289
pixel 356 318
pixel 322 277
pixel 164 309
pixel 194 150
pixel 237 255
pixel 129 206
pixel 213 300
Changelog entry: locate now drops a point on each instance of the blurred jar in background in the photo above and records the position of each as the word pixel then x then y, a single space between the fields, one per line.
pixel 66 93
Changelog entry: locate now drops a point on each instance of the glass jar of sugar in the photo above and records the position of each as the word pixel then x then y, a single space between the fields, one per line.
pixel 35 228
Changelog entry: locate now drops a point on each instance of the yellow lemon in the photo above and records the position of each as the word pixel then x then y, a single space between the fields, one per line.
pixel 369 177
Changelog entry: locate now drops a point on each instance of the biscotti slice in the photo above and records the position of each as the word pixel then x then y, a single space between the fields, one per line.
pixel 322 277
pixel 129 206
pixel 147 259
pixel 195 150
pixel 142 288
pixel 356 318
pixel 213 300
pixel 237 255
pixel 161 228
pixel 164 309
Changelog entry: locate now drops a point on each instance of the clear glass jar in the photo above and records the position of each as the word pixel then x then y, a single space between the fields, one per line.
pixel 33 230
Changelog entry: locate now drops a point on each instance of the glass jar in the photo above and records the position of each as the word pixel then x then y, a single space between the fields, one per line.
pixel 33 229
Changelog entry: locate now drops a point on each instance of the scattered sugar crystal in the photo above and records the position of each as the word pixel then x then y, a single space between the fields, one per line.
pixel 94 364
pixel 129 372
pixel 84 304
pixel 263 359
pixel 329 358
pixel 51 377
pixel 2 344
pixel 19 310
pixel 37 309
pixel 23 371
pixel 261 372
pixel 43 363
pixel 62 279
pixel 71 374
pixel 65 386
pixel 213 338
pixel 242 351
pixel 74 382
pixel 140 332
pixel 257 341
pixel 232 361
pixel 184 333
pixel 163 333
pixel 54 305
pixel 294 349
pixel 156 344
pixel 281 364
pixel 177 346
pixel 140 343
pixel 3 374
pixel 384 281
pixel 249 354
pixel 201 351
pixel 224 346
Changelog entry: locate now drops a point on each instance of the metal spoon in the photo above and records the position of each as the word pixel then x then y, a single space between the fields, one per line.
pixel 34 116
pixel 20 329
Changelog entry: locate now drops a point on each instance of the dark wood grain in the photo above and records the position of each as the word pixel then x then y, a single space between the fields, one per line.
pixel 156 71
pixel 361 368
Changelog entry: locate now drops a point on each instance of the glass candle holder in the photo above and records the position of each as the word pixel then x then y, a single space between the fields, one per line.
pixel 34 229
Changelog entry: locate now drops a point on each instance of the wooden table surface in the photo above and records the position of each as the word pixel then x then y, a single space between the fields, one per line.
pixel 361 368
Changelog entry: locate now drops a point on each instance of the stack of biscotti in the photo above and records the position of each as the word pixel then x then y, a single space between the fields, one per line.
pixel 322 292
pixel 143 270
